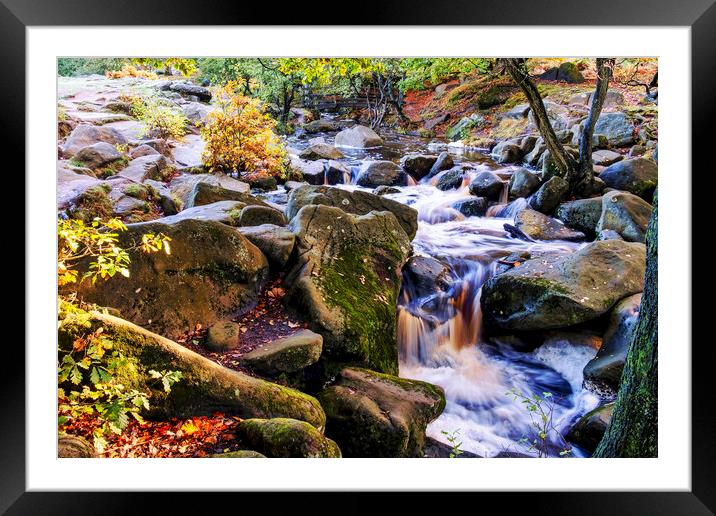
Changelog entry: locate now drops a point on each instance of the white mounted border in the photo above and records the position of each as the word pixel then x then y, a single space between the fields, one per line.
pixel 671 471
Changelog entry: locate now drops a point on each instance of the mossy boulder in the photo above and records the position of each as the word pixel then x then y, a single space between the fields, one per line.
pixel 225 212
pixel 97 155
pixel 223 336
pixel 346 282
pixel 154 166
pixel 626 214
pixel 285 355
pixel 239 454
pixel 549 195
pixel 522 183
pixel 589 430
pixel 560 291
pixel 370 414
pixel 205 387
pixel 286 438
pixel 638 176
pixel 581 214
pixel 357 202
pixel 212 274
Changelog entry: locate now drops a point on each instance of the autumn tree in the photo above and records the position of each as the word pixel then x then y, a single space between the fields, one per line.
pixel 632 431
pixel 578 173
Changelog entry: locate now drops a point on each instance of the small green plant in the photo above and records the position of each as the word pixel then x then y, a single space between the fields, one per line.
pixel 452 438
pixel 541 412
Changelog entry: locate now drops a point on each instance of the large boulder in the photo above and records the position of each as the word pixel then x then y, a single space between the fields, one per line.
pixel 617 127
pixel 638 176
pixel 85 135
pixel 418 165
pixel 443 162
pixel 581 214
pixel 346 281
pixel 286 438
pixel 196 112
pixel 604 371
pixel 320 151
pixel 195 190
pixel 357 202
pixel 205 386
pixel 358 137
pixel 487 184
pixel 153 166
pixel 471 207
pixel 539 226
pixel 274 241
pixel 285 355
pixel 378 415
pixel 626 214
pixel 549 195
pixel 378 173
pixel 212 274
pixel 226 212
pixel 425 276
pixel 337 173
pixel 189 89
pixel 556 292
pixel 97 155
pixel 589 430
pixel 523 183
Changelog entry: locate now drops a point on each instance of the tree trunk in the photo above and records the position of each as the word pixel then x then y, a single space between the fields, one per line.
pixel 518 71
pixel 634 424
pixel 581 180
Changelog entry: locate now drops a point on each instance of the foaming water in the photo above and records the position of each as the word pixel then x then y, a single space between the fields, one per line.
pixel 440 334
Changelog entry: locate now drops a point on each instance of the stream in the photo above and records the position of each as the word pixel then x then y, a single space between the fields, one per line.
pixel 439 335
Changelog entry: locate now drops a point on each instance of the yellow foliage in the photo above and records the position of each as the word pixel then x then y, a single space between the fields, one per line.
pixel 240 136
pixel 129 71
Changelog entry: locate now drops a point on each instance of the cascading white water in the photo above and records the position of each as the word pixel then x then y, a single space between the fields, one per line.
pixel 439 339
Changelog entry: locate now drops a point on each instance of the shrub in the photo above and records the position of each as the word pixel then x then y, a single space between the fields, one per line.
pixel 240 136
pixel 161 119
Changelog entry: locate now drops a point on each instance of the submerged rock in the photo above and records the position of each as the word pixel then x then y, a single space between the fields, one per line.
pixel 357 202
pixel 205 387
pixel 377 415
pixel 346 281
pixel 589 430
pixel 285 438
pixel 212 274
pixel 285 355
pixel 557 292
pixel 475 207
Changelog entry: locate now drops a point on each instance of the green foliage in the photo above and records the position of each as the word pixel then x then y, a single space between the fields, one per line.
pixel 99 240
pixel 161 118
pixel 541 412
pixel 452 438
pixel 90 381
pixel 77 66
pixel 422 72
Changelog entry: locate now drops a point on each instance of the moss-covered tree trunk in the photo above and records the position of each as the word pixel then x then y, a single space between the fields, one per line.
pixel 633 428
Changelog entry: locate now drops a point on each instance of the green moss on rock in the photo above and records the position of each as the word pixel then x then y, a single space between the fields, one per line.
pixel 285 438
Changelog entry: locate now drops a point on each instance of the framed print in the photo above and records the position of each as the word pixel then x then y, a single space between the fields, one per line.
pixel 349 249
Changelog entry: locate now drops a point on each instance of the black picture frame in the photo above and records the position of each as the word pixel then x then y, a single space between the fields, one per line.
pixel 699 15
